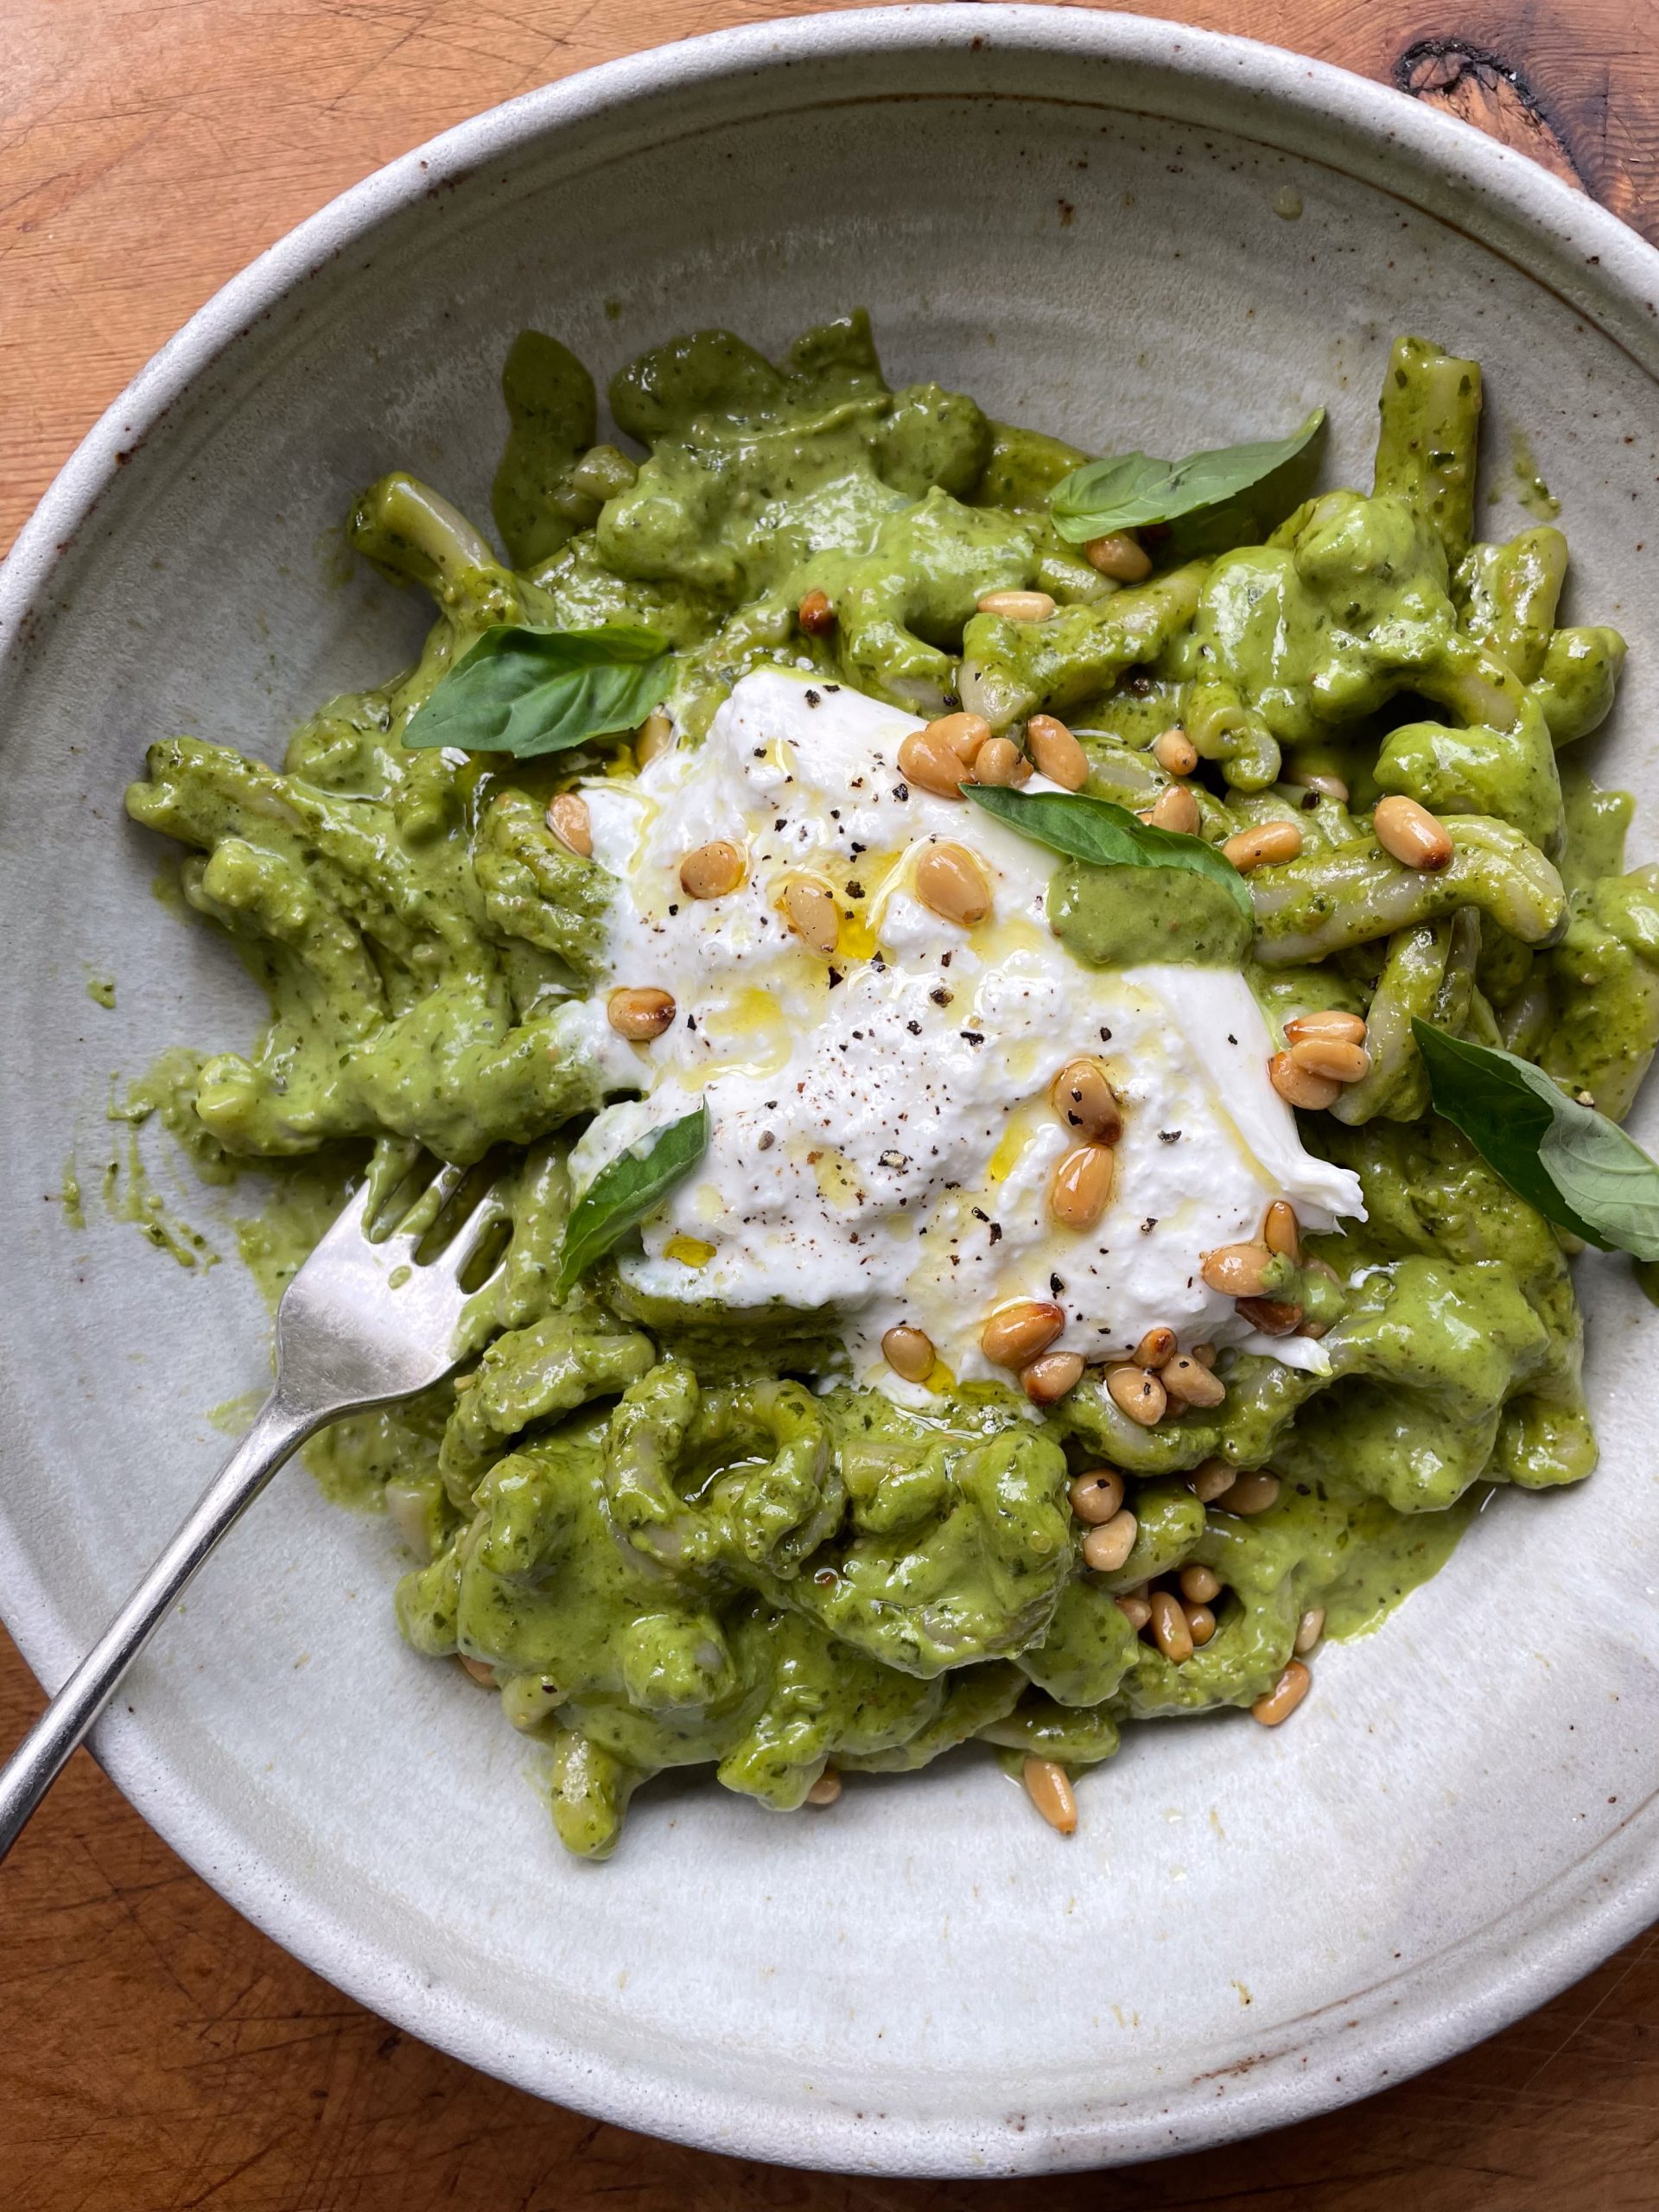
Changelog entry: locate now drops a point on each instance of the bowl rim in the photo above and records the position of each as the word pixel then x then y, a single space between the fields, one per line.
pixel 1535 1948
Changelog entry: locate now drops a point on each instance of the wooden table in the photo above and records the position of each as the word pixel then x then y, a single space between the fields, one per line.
pixel 156 2053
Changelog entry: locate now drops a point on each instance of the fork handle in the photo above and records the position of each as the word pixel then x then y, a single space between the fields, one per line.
pixel 278 1430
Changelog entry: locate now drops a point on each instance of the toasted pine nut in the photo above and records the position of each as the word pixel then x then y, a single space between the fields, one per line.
pixel 1169 1626
pixel 1201 1584
pixel 930 762
pixel 1016 1333
pixel 1237 1271
pixel 1016 606
pixel 711 870
pixel 639 1014
pixel 1210 1481
pixel 1105 1549
pixel 480 1670
pixel 1083 1096
pixel 1135 1611
pixel 951 883
pixel 1119 554
pixel 1139 1394
pixel 568 819
pixel 1155 1348
pixel 1252 1493
pixel 1413 836
pixel 1189 1384
pixel 827 1787
pixel 909 1352
pixel 1000 761
pixel 1081 1186
pixel 1264 846
pixel 963 734
pixel 1200 1624
pixel 1175 808
pixel 1331 1056
pixel 1282 1699
pixel 656 736
pixel 1057 753
pixel 1310 1629
pixel 1281 1230
pixel 1298 1087
pixel 1049 1787
pixel 1325 1021
pixel 1097 1497
pixel 1205 1354
pixel 1050 1375
pixel 812 913
pixel 815 614
pixel 1174 752
pixel 1274 1316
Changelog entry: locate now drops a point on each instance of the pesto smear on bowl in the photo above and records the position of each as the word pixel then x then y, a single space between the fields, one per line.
pixel 931 933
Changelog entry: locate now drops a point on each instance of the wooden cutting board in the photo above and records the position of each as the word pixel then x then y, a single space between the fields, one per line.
pixel 156 2053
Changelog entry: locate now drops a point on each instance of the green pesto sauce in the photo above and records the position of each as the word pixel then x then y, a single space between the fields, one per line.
pixel 353 1459
pixel 1531 490
pixel 233 1416
pixel 675 1538
pixel 1130 916
pixel 129 1195
pixel 1390 1558
pixel 300 1201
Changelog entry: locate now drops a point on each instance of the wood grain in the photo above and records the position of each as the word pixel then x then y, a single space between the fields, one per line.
pixel 157 2054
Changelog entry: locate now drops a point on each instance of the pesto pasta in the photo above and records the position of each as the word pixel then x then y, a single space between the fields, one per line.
pixel 974 1270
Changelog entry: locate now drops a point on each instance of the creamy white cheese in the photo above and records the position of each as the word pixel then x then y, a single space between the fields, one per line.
pixel 882 1138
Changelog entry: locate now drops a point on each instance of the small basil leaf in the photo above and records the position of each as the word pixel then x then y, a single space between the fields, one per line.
pixel 1105 835
pixel 1605 1178
pixel 530 691
pixel 1124 483
pixel 627 1188
pixel 1132 489
pixel 1577 1167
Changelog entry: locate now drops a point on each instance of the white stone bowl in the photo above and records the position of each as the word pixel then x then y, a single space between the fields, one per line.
pixel 1079 219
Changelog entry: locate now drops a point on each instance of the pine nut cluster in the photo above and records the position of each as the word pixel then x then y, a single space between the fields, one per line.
pixel 958 748
pixel 1256 1275
pixel 1158 1381
pixel 1324 1052
pixel 1179 1612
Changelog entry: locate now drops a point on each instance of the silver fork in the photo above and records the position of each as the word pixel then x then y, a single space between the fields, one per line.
pixel 362 1324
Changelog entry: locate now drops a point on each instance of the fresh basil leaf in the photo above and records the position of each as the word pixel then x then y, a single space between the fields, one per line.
pixel 1132 489
pixel 1123 484
pixel 1105 835
pixel 530 691
pixel 1577 1167
pixel 1605 1178
pixel 627 1188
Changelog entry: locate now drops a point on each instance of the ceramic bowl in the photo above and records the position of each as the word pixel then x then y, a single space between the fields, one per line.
pixel 1136 235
